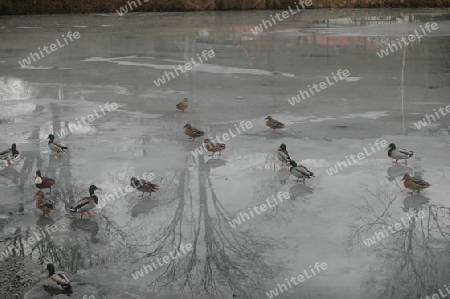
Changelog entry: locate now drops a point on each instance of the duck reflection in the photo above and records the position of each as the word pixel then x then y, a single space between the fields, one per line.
pixel 413 254
pixel 87 225
pixel 223 260
pixel 283 175
pixel 299 189
pixel 397 171
pixel 414 202
pixel 215 162
pixel 144 207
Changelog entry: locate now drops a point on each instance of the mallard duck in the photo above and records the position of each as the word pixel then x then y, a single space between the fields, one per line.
pixel 413 183
pixel 10 154
pixel 86 204
pixel 283 155
pixel 273 124
pixel 300 171
pixel 43 182
pixel 182 105
pixel 46 205
pixel 144 186
pixel 57 281
pixel 214 147
pixel 398 153
pixel 192 132
pixel 56 146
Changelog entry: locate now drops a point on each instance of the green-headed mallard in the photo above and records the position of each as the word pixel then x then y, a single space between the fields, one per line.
pixel 192 132
pixel 273 124
pixel 56 146
pixel 214 147
pixel 10 154
pixel 413 183
pixel 57 281
pixel 46 205
pixel 182 105
pixel 144 186
pixel 300 171
pixel 86 204
pixel 283 155
pixel 398 153
pixel 43 182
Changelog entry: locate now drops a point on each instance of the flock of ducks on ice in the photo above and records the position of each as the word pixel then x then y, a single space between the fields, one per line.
pixel 46 205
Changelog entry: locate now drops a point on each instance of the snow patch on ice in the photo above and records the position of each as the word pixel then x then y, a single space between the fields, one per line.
pixel 207 68
pixel 370 115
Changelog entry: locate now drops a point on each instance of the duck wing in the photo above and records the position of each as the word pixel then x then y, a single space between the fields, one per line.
pixel 283 156
pixel 278 124
pixel 197 132
pixel 150 184
pixel 45 203
pixel 305 171
pixel 405 152
pixel 420 182
pixel 85 202
pixel 60 279
pixel 60 144
pixel 5 153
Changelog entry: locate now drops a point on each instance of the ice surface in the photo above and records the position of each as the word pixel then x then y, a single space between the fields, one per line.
pixel 251 77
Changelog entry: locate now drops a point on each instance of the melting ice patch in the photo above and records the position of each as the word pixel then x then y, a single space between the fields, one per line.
pixel 351 79
pixel 370 115
pixel 207 68
pixel 15 89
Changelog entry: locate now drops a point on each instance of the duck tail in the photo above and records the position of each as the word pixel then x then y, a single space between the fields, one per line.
pixel 411 153
pixel 73 210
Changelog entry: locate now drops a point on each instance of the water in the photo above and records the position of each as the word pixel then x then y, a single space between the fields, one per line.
pixel 116 59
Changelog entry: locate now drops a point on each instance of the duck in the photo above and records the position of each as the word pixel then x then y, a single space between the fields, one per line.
pixel 86 204
pixel 46 205
pixel 398 153
pixel 273 124
pixel 56 146
pixel 57 281
pixel 43 182
pixel 413 183
pixel 283 155
pixel 10 154
pixel 192 132
pixel 300 171
pixel 182 105
pixel 214 147
pixel 143 186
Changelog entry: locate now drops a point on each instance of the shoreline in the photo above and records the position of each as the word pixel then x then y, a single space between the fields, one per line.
pixel 39 7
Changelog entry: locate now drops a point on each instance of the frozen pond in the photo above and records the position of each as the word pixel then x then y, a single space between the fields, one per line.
pixel 362 99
